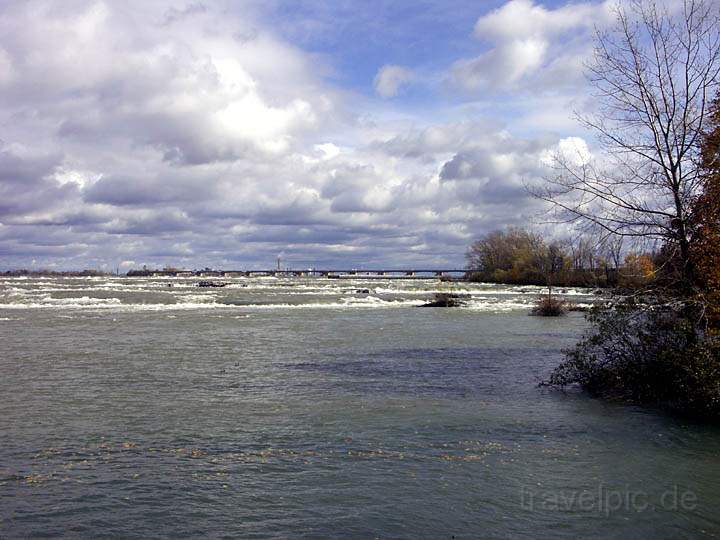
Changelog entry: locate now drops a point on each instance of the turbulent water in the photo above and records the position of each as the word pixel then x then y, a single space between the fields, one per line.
pixel 141 408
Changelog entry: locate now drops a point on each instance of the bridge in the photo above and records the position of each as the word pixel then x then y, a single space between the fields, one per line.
pixel 404 273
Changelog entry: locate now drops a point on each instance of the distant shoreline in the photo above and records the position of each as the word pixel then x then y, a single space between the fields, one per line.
pixel 440 275
pixel 55 273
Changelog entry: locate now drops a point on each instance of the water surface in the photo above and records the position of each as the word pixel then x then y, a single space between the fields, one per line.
pixel 311 408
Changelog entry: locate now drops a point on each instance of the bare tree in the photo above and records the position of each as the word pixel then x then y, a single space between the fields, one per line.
pixel 585 252
pixel 654 74
pixel 613 249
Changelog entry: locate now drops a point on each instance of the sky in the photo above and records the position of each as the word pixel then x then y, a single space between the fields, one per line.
pixel 227 134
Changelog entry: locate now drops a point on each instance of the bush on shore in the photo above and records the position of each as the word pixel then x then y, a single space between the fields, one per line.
pixel 646 355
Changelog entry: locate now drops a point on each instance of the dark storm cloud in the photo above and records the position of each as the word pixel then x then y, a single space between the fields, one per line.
pixel 25 186
pixel 25 170
pixel 149 191
pixel 124 191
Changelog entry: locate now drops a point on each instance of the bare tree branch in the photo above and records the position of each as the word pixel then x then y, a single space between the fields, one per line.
pixel 654 74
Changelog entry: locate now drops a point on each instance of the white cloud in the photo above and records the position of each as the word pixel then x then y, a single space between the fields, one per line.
pixel 391 78
pixel 503 66
pixel 328 150
pixel 196 92
pixel 573 150
pixel 518 19
pixel 525 37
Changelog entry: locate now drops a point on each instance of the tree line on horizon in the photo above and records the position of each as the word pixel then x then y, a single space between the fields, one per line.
pixel 520 256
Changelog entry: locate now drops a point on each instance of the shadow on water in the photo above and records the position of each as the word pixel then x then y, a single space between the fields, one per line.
pixel 447 372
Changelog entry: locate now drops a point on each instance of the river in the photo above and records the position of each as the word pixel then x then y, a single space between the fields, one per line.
pixel 317 408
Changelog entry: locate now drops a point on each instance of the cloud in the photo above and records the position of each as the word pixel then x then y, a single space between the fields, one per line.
pixel 175 14
pixel 192 134
pixel 571 150
pixel 195 97
pixel 518 18
pixel 391 78
pixel 26 182
pixel 6 67
pixel 525 38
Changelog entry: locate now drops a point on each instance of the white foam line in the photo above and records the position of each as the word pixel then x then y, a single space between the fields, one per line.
pixel 117 307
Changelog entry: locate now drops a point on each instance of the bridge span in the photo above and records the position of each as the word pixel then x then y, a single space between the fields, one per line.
pixel 404 273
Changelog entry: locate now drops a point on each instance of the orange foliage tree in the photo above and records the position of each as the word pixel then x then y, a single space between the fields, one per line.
pixel 640 265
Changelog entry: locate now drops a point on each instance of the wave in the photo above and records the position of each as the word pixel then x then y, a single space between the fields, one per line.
pixel 119 307
pixel 263 293
pixel 184 306
pixel 346 302
pixel 82 300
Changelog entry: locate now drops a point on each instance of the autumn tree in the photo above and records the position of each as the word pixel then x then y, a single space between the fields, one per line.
pixel 706 238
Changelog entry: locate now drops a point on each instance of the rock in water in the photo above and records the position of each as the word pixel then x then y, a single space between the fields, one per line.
pixel 210 284
pixel 446 300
